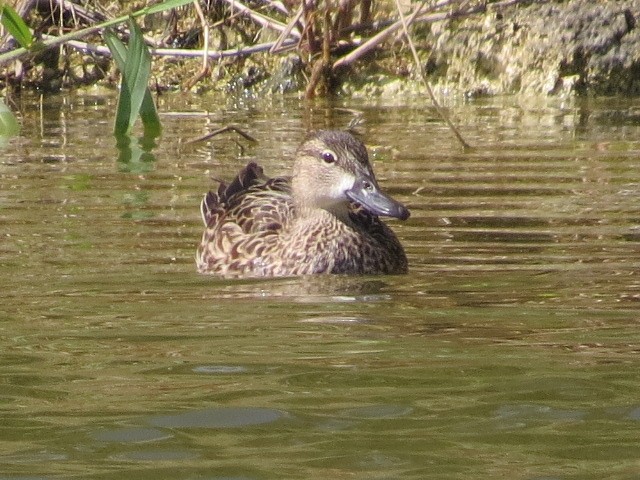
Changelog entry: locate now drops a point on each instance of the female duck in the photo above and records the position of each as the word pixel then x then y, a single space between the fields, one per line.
pixel 322 220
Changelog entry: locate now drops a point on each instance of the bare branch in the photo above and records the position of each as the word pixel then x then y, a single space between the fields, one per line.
pixel 428 17
pixel 259 18
pixel 205 55
pixel 434 100
pixel 277 48
pixel 228 128
pixel 373 41
pixel 176 52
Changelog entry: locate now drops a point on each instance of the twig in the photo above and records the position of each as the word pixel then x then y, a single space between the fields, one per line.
pixel 322 67
pixel 56 41
pixel 205 54
pixel 182 53
pixel 277 47
pixel 228 128
pixel 23 9
pixel 424 18
pixel 508 3
pixel 279 6
pixel 260 19
pixel 437 106
pixel 382 36
pixel 373 42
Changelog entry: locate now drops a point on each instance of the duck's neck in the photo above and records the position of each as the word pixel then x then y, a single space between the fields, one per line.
pixel 309 203
pixel 339 211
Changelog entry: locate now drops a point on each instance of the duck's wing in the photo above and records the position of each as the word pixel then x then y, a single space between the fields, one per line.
pixel 252 201
pixel 243 220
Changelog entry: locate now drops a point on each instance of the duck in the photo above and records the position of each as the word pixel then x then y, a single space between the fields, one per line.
pixel 323 219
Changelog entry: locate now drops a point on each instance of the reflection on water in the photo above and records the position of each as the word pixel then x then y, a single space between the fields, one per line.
pixel 509 351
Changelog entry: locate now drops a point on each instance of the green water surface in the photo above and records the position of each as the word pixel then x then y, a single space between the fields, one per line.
pixel 511 349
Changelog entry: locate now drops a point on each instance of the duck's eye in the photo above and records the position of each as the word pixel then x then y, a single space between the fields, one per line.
pixel 328 156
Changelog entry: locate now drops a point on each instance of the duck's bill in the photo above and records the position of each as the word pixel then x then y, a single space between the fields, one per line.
pixel 366 193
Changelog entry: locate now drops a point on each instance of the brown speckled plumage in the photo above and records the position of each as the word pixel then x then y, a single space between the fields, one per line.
pixel 322 220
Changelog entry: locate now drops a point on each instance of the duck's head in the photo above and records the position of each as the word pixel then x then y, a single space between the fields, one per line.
pixel 332 169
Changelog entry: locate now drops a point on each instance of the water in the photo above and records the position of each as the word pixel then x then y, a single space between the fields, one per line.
pixel 511 350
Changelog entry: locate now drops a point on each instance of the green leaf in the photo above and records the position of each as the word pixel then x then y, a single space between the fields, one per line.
pixel 117 48
pixel 8 124
pixel 16 26
pixel 135 97
pixel 54 42
pixel 149 116
pixel 135 76
pixel 148 111
pixel 137 68
pixel 123 111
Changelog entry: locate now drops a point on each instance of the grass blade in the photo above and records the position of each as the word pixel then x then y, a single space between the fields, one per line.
pixel 9 126
pixel 135 97
pixel 149 116
pixel 137 69
pixel 120 53
pixel 18 52
pixel 167 4
pixel 142 100
pixel 16 26
pixel 117 48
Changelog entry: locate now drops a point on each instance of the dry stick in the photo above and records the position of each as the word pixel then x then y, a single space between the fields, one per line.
pixel 182 53
pixel 258 17
pixel 397 25
pixel 372 42
pixel 310 12
pixel 228 128
pixel 508 3
pixel 205 29
pixel 61 25
pixel 277 47
pixel 205 54
pixel 322 67
pixel 279 6
pixel 23 8
pixel 437 106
